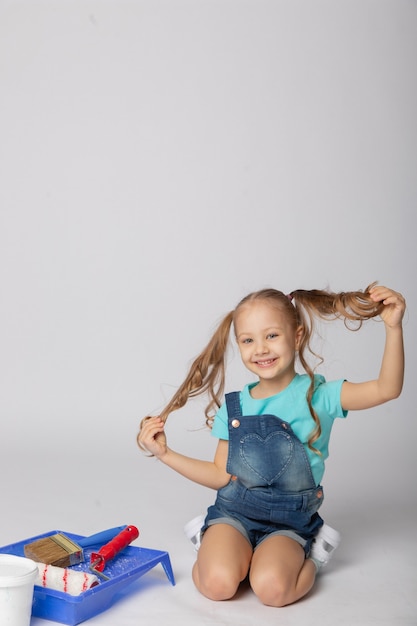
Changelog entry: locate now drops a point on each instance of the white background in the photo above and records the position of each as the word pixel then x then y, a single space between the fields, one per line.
pixel 159 159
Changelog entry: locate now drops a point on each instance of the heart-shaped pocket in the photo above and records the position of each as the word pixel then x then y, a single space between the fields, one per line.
pixel 268 457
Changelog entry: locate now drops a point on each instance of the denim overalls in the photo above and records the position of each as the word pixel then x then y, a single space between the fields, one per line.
pixel 272 489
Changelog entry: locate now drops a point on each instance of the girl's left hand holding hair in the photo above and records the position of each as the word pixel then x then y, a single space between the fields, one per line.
pixel 394 305
pixel 388 385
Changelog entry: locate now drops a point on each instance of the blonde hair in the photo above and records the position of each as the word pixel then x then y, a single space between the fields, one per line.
pixel 208 371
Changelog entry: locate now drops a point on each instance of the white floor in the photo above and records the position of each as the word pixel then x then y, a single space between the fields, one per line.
pixel 371 579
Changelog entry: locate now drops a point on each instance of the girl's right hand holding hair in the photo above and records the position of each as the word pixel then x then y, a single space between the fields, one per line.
pixel 213 474
pixel 152 436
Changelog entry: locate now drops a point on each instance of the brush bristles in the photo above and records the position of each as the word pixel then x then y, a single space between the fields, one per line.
pixel 55 550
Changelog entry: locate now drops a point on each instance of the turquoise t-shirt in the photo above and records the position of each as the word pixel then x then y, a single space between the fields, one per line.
pixel 291 406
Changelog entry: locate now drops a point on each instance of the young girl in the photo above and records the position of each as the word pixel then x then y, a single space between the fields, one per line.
pixel 273 438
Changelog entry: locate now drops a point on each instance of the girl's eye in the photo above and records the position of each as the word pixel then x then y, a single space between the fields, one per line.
pixel 272 335
pixel 247 340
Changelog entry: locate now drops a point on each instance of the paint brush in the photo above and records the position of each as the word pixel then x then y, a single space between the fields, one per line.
pixel 61 551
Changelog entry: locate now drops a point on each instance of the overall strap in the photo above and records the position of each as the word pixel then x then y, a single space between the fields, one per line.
pixel 233 404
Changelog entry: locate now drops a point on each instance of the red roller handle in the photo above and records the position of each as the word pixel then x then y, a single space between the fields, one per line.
pixel 99 559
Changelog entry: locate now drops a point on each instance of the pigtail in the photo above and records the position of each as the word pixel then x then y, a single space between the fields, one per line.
pixel 206 374
pixel 352 307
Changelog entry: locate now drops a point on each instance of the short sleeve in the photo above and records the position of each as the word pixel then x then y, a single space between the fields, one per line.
pixel 327 399
pixel 220 427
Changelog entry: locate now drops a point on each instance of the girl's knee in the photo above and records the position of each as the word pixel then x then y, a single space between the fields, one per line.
pixel 273 591
pixel 274 597
pixel 216 583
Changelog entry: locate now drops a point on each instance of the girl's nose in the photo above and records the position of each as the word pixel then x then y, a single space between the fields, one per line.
pixel 261 348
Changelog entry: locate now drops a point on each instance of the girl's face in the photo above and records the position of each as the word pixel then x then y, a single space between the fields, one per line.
pixel 267 342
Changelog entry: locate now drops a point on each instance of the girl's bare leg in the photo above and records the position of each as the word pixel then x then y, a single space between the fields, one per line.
pixel 223 561
pixel 280 574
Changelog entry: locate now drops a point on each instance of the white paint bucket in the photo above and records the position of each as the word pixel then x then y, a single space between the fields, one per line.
pixel 17 580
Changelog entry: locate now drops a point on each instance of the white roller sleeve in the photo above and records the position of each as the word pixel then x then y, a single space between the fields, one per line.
pixel 64 579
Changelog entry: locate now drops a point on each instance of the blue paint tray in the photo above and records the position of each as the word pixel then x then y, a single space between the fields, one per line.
pixel 125 568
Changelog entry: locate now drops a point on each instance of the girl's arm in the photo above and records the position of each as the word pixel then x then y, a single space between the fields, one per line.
pixel 388 385
pixel 208 473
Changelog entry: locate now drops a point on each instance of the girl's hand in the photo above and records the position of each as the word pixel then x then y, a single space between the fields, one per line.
pixel 152 436
pixel 394 305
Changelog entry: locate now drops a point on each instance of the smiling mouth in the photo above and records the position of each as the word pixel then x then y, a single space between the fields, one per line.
pixel 265 363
